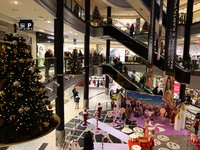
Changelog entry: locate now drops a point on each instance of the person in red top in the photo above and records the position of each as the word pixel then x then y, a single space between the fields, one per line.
pixel 99 110
pixel 151 141
pixel 196 125
pixel 112 104
pixel 85 115
pixel 172 117
pixel 125 69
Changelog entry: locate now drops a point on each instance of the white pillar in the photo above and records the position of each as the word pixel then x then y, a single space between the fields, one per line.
pixel 183 115
pixel 177 124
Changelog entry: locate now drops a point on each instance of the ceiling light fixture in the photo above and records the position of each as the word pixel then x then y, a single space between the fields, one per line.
pixel 40 17
pixel 70 32
pixel 48 21
pixel 75 33
pixel 15 2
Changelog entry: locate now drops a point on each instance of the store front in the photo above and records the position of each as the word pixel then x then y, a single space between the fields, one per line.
pixel 44 42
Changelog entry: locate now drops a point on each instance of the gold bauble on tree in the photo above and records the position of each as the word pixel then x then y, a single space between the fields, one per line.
pixel 15 51
pixel 45 124
pixel 41 90
pixel 50 106
pixel 20 94
pixel 40 128
pixel 21 110
pixel 39 76
pixel 1 122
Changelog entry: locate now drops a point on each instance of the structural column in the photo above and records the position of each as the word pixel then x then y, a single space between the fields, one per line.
pixel 86 53
pixel 58 33
pixel 187 41
pixel 187 28
pixel 107 61
pixel 107 54
pixel 182 92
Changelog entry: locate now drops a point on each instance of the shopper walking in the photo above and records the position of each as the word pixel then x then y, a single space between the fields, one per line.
pixel 48 62
pixel 77 99
pixel 131 30
pixel 88 142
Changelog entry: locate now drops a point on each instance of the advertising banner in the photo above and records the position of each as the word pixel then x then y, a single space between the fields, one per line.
pixel 176 87
pixel 149 76
pixel 160 29
pixel 168 88
pixel 152 33
pixel 149 103
pixel 171 35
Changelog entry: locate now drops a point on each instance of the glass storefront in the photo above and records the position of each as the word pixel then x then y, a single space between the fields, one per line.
pixel 44 42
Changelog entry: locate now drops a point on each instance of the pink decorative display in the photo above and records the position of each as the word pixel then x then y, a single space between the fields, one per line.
pixel 105 137
pixel 121 111
pixel 70 144
pixel 190 123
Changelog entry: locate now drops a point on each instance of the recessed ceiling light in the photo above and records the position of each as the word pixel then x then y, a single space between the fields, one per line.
pixel 75 33
pixel 48 21
pixel 40 17
pixel 15 2
pixel 70 32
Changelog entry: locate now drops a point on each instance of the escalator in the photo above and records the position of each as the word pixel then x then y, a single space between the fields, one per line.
pixel 124 79
pixel 137 46
pixel 141 49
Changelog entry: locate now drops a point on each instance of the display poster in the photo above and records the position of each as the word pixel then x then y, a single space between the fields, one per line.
pixel 149 102
pixel 118 52
pixel 149 76
pixel 168 89
pixel 171 35
pixel 160 29
pixel 177 87
pixel 152 33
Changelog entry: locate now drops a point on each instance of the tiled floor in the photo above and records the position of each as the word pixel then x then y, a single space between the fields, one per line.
pixel 97 95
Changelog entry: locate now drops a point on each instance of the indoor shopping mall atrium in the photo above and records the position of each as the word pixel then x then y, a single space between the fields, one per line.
pixel 100 75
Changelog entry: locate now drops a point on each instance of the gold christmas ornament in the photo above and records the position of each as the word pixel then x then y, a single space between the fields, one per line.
pixel 21 60
pixel 20 94
pixel 27 51
pixel 28 60
pixel 41 90
pixel 15 93
pixel 1 85
pixel 21 110
pixel 1 122
pixel 45 124
pixel 15 51
pixel 50 106
pixel 4 66
pixel 40 128
pixel 39 77
pixel 3 46
pixel 16 83
pixel 4 50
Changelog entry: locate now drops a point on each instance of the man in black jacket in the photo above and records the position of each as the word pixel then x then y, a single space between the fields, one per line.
pixel 47 62
pixel 88 142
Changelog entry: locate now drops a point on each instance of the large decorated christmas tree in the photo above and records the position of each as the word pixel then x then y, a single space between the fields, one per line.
pixel 96 14
pixel 74 63
pixel 24 108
